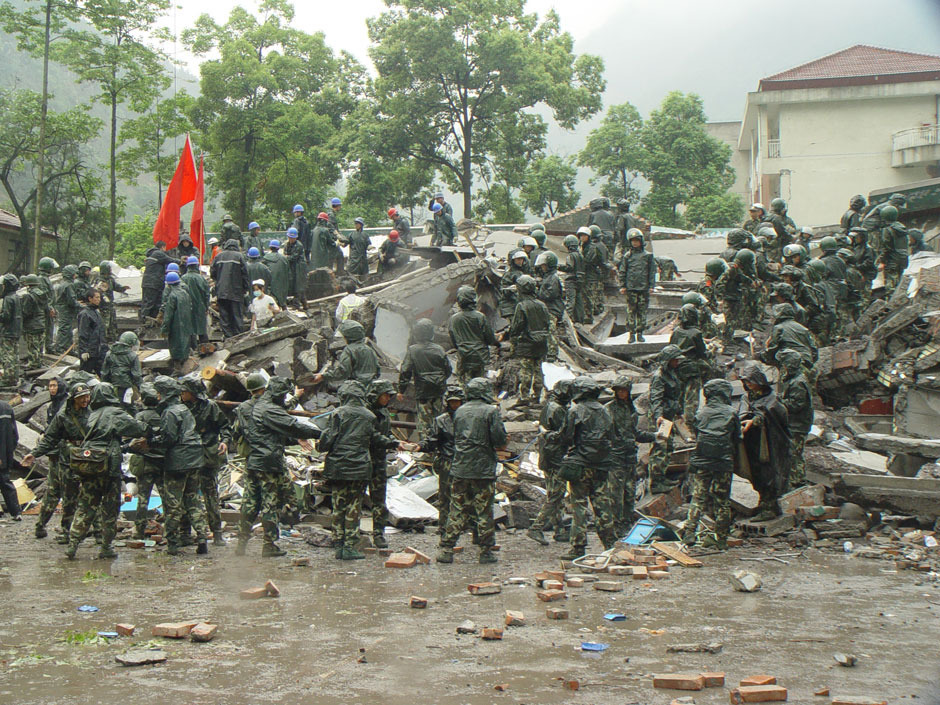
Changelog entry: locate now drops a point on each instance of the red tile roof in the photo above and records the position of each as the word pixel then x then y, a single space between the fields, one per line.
pixel 858 65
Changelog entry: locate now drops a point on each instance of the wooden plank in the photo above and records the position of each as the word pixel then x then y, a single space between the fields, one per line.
pixel 670 551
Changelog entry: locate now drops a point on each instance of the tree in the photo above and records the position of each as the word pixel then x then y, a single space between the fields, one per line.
pixel 723 210
pixel 135 237
pixel 451 76
pixel 76 210
pixel 66 134
pixel 549 186
pixel 615 152
pixel 497 205
pixel 271 108
pixel 164 120
pixel 682 161
pixel 116 58
pixel 517 143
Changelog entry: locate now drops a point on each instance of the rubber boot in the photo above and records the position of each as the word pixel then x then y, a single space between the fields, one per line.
pixel 446 555
pixel 272 550
pixel 217 539
pixel 575 552
pixel 241 547
pixel 41 532
pixel 107 552
pixel 71 551
pixel 562 535
pixel 537 536
pixel 639 337
pixel 202 548
pixel 351 554
pixel 379 540
pixel 487 556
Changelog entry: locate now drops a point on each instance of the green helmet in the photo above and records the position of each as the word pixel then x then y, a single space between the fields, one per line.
pixel 539 236
pixel 454 391
pixel 256 381
pixel 30 280
pixel 744 257
pixel 537 226
pixel 898 198
pixel 380 386
pixel 69 271
pixel 715 267
pixel 737 238
pixel 84 264
pixel 104 267
pixel 529 241
pixel 790 271
pixel 46 264
pixel 819 268
pixel 547 258
pixel 778 205
pixel 845 253
pixel 828 244
pixel 792 250
pixel 129 338
pixel 572 242
pixel 694 298
pixel 518 254
pixel 688 315
pixel 889 214
pixel 525 284
pixel 634 234
pixel 670 352
pixel 193 384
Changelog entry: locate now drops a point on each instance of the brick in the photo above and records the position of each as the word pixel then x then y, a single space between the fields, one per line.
pixel 571 684
pixel 484 588
pixel 134 543
pixel 821 691
pixel 713 679
pixel 125 629
pixel 848 700
pixel 386 552
pixel 759 680
pixel 608 586
pixel 501 687
pixel 735 542
pixel 644 552
pixel 657 574
pixel 625 557
pixel 553 585
pixel 491 634
pixel 551 595
pixel 620 569
pixel 300 562
pixel 574 582
pixel 457 549
pixel 419 603
pixel 758 694
pixel 203 632
pixel 272 589
pixel 817 512
pixel 556 575
pixel 661 567
pixel 679 681
pixel 253 593
pixel 401 560
pixel 173 630
pixel 423 558
pixel 640 572
pixel 556 613
pixel 515 619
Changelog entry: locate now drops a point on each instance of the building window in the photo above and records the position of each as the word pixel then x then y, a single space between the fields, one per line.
pixel 773 149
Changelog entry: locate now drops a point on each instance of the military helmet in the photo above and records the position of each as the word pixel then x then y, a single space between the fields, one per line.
pixel 79 389
pixel 857 202
pixel 737 237
pixel 166 386
pixel 778 205
pixel 688 314
pixel 84 264
pixel 466 297
pixel 595 230
pixel 279 386
pixel 819 268
pixel 889 214
pixel 694 298
pixel 10 282
pixel 845 253
pixel 583 230
pixel 623 204
pixel 539 237
pixel 380 386
pixel 792 250
pixel 69 271
pixel 537 226
pixel 30 280
pixel 635 233
pixel 898 198
pixel 571 242
pixel 789 270
pixel 828 244
pixel 193 384
pixel 766 231
pixel 104 267
pixel 256 381
pixel 454 391
pixel 744 257
pixel 622 382
pixel 860 235
pixel 547 258
pixel 46 264
pixel 670 352
pixel 525 284
pixel 129 337
pixel 715 267
pixel 528 241
pixel 782 289
pixel 518 254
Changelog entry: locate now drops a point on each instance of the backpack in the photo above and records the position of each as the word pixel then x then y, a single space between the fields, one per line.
pixel 87 462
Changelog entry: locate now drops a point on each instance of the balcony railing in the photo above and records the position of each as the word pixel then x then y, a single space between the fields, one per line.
pixel 773 149
pixel 922 136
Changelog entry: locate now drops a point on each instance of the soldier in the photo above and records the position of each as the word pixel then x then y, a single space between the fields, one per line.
pixel 688 338
pixel 401 224
pixel 915 241
pixel 735 240
pixel 766 441
pixel 427 363
pixel 623 223
pixel 529 245
pixel 818 274
pixel 637 280
pixel 215 434
pixel 537 233
pixel 379 395
pixel 253 238
pixel 863 260
pixel 9 437
pixel 667 269
pixel 359 242
pixel 59 482
pixel 445 206
pixel 665 405
pixel 795 256
pixel 782 223
pixel 892 255
pixel 198 289
pixel 83 282
pixel 788 334
pixel 622 476
pixel 439 439
pixel 304 233
pixel 588 436
pixel 146 464
pixel 837 271
pixel 184 250
pixel 795 392
pixel 122 366
pixel 507 283
pixel 573 269
pixel 704 311
pixel 755 219
pixel 323 243
pixel 855 283
pixel 782 293
pixel 445 230
pixel 229 271
pixel 714 268
pixel 479 433
pixel 258 269
pixel 552 295
pixel 356 361
pixel 35 312
pixel 471 334
pixel 852 218
pixel 602 217
pixel 392 252
pixel 11 328
pixel 297 281
pixel 280 272
pixel 874 220
pixel 229 232
pixel 718 433
pixel 595 273
pixel 152 281
pixel 529 331
pixel 736 289
pixel 551 452
pixel 47 267
pixel 177 323
pixel 91 343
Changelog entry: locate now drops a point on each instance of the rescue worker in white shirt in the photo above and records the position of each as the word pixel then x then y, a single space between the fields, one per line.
pixel 348 303
pixel 262 306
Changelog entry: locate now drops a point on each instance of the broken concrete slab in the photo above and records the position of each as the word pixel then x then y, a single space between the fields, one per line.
pixel 885 443
pixel 865 459
pixel 619 345
pixel 746 581
pixel 406 508
pixel 904 495
pixel 141 657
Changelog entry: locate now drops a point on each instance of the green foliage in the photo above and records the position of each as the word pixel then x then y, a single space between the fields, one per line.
pixel 497 205
pixel 76 209
pixel 549 186
pixel 721 210
pixel 91 576
pixel 135 237
pixel 455 79
pixel 615 152
pixel 89 637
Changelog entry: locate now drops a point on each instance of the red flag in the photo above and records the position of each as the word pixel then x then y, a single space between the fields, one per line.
pixel 182 190
pixel 196 223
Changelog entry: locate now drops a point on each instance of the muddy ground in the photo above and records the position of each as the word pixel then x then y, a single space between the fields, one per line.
pixel 306 646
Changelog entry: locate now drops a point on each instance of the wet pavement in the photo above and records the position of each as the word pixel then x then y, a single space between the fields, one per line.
pixel 344 633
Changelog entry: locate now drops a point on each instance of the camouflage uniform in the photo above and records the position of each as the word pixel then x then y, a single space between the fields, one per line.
pixel 551 450
pixel 595 272
pixel 426 362
pixel 66 305
pixel 735 289
pixel 530 332
pixel 347 496
pixel 11 327
pixel 107 284
pixel 665 402
pixel 471 334
pixel 573 269
pixel 440 438
pixel 795 392
pixel 213 429
pixel 667 269
pixel 383 442
pixel 46 269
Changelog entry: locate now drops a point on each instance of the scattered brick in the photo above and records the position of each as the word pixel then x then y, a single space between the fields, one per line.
pixel 484 588
pixel 821 691
pixel 253 593
pixel 386 552
pixel 624 557
pixel 679 681
pixel 491 634
pixel 735 542
pixel 758 694
pixel 501 687
pixel 125 629
pixel 643 552
pixel 203 632
pixel 134 543
pixel 551 595
pixel 714 679
pixel 553 585
pixel 515 619
pixel 640 572
pixel 401 560
pixel 608 586
pixel 423 558
pixel 300 562
pixel 272 589
pixel 556 613
pixel 419 603
pixel 759 680
pixel 571 684
pixel 173 630
pixel 556 575
pixel 574 582
pixel 847 700
pixel 657 574
pixel 620 569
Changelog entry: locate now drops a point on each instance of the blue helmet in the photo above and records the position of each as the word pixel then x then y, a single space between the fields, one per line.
pixel 172 278
pixel 437 207
pixel 253 252
pixel 192 260
pixel 276 244
pixel 252 225
pixel 292 233
pixel 335 201
pixel 298 207
pixel 173 267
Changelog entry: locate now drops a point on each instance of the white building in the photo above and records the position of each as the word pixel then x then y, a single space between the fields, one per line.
pixel 861 119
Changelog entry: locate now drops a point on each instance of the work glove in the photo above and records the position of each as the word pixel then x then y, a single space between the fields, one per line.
pixel 570 473
pixel 85 357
